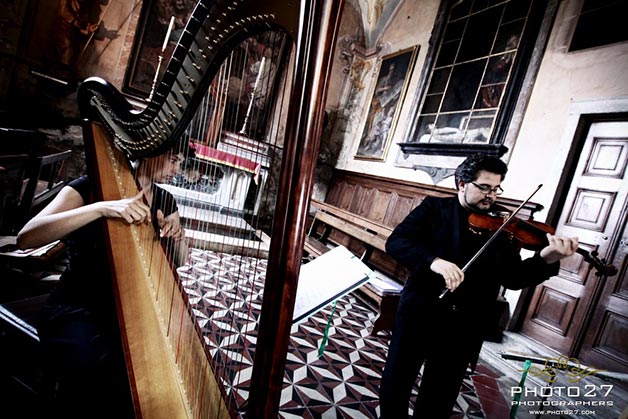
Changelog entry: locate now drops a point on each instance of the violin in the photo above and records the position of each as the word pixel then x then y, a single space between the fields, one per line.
pixel 531 235
pixel 528 234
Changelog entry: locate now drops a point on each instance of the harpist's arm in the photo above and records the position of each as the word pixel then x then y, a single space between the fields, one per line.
pixel 67 212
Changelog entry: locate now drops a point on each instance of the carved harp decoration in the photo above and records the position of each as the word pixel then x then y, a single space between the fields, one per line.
pixel 207 336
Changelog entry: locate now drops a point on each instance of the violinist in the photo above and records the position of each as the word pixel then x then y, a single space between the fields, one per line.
pixel 443 331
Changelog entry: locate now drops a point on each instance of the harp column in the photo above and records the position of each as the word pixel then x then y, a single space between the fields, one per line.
pixel 314 53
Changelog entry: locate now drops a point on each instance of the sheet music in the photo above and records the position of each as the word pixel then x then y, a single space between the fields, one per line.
pixel 8 248
pixel 327 278
pixel 385 284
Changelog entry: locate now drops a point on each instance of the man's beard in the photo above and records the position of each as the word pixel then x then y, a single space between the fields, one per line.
pixel 482 205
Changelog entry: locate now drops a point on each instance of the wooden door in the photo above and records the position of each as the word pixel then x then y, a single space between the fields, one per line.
pixel 577 312
pixel 605 343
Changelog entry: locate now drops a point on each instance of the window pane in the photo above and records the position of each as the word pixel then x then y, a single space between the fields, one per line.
pixel 452 120
pixel 480 34
pixel 432 103
pixel 602 26
pixel 479 5
pixel 439 80
pixel 447 53
pixel 449 128
pixel 460 9
pixel 516 9
pixel 479 129
pixel 425 126
pixel 463 86
pixel 508 37
pixel 489 96
pixel 498 68
pixel 454 30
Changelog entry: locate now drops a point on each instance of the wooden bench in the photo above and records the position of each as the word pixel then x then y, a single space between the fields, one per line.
pixel 360 213
pixel 386 202
pixel 332 226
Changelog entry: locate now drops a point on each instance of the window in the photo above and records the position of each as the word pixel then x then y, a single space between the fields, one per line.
pixel 601 22
pixel 475 74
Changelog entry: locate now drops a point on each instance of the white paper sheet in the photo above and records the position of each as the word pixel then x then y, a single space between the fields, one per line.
pixel 7 248
pixel 327 278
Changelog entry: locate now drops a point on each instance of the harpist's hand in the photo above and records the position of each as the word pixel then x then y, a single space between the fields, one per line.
pixel 559 248
pixel 131 210
pixel 170 226
pixel 452 274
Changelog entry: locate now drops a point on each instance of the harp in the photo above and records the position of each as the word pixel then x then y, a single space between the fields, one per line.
pixel 257 230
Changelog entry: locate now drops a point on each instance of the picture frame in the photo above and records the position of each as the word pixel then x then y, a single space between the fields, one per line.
pixel 64 42
pixel 255 70
pixel 388 94
pixel 150 43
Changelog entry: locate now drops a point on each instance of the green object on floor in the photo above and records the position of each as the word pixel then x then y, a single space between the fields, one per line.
pixel 321 348
pixel 517 398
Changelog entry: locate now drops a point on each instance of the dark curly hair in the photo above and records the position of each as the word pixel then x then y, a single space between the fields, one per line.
pixel 468 170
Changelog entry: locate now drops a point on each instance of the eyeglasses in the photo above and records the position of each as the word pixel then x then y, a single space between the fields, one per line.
pixel 485 189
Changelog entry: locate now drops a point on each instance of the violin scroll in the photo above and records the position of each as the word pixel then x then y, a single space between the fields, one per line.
pixel 600 265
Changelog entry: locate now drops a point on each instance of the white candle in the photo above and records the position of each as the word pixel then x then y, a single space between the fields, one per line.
pixel 255 86
pixel 163 48
pixel 259 76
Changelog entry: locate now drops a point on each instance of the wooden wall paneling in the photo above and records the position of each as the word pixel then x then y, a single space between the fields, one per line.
pixel 380 206
pixel 368 197
pixel 388 201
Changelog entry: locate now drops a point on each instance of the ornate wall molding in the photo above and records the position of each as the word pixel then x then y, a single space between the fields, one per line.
pixel 436 173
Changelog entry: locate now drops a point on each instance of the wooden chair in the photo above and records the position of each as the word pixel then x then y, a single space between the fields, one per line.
pixel 13 169
pixel 37 182
pixel 20 141
pixel 28 183
pixel 46 177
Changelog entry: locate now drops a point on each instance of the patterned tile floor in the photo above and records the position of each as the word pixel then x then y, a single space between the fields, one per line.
pixel 583 396
pixel 343 382
pixel 226 293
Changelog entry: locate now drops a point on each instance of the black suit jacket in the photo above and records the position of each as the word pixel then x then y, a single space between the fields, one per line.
pixel 438 227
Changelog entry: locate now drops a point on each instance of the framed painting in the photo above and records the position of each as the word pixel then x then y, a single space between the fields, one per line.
pixel 383 110
pixel 64 41
pixel 155 37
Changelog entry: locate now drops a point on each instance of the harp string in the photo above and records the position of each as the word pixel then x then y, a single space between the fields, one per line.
pixel 204 220
pixel 236 72
pixel 211 126
pixel 224 255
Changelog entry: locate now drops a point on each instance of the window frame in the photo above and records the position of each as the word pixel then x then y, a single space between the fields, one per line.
pixel 509 101
pixel 612 14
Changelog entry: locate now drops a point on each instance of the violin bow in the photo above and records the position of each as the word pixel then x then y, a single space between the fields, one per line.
pixel 490 240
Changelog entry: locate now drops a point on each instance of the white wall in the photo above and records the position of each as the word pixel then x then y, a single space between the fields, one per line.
pixel 541 148
pixel 564 78
pixel 412 25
